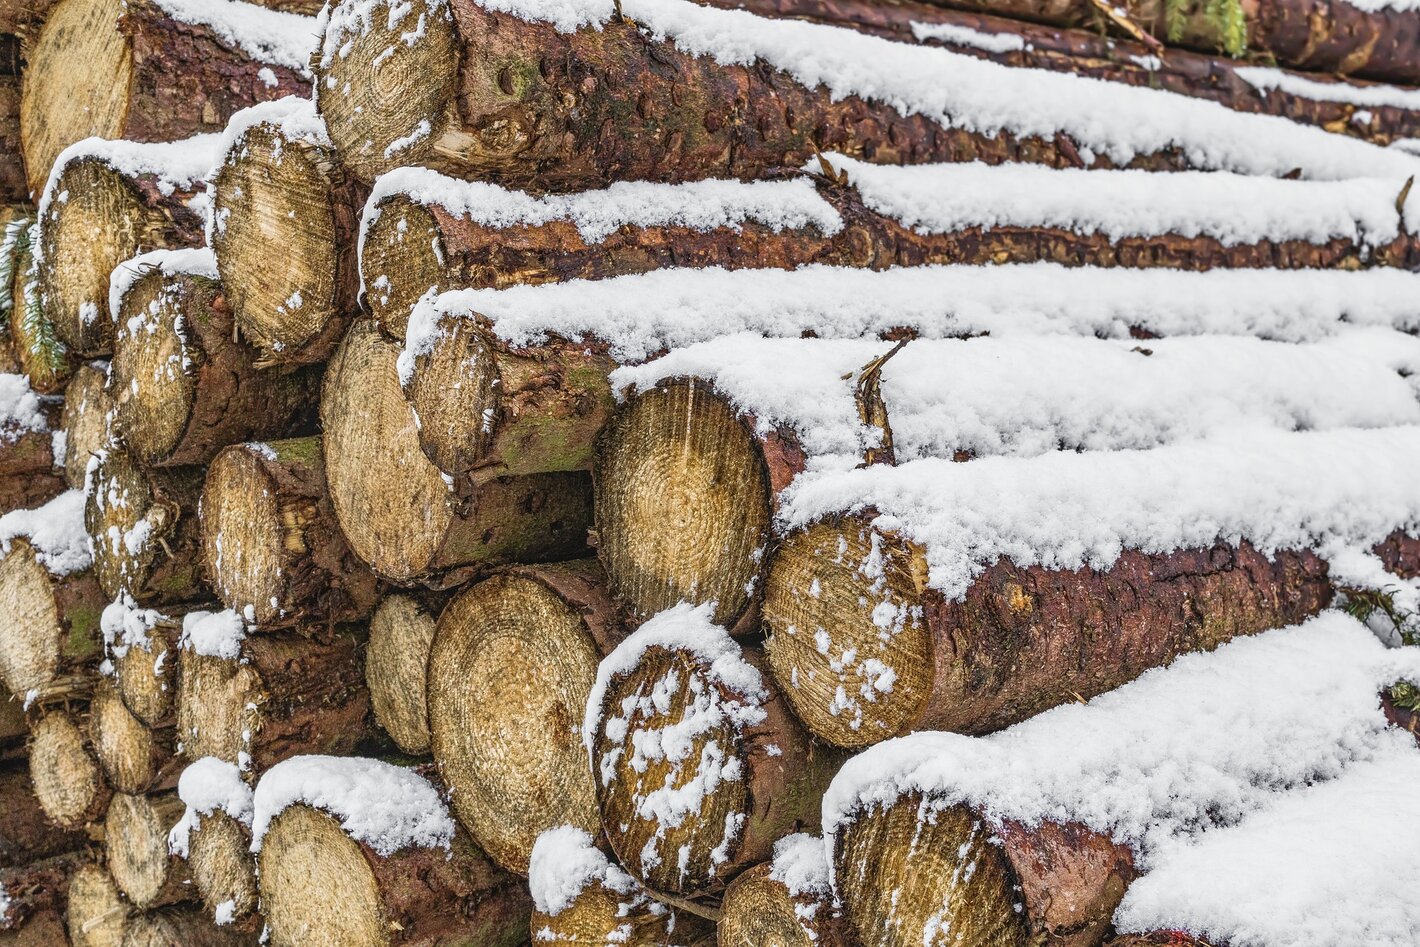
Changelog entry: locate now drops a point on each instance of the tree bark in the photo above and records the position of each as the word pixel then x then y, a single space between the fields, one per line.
pixel 86 420
pixel 137 840
pixel 34 888
pixel 416 897
pixel 285 695
pixel 144 526
pixel 67 779
pixel 145 76
pixel 759 909
pixel 107 217
pixel 40 355
pixel 14 188
pixel 396 658
pixel 273 547
pixel 29 476
pixel 51 623
pixel 281 188
pixel 395 508
pixel 25 832
pixel 97 914
pixel 514 656
pixel 1158 939
pixel 773 791
pixel 44 929
pixel 899 875
pixel 184 387
pixel 1023 640
pixel 184 927
pixel 135 757
pixel 223 870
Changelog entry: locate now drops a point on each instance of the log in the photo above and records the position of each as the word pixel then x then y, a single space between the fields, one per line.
pixel 135 757
pixel 150 72
pixel 1158 939
pixel 66 776
pixel 14 728
pixel 35 888
pixel 396 659
pixel 25 833
pixel 29 465
pixel 223 870
pixel 756 774
pixel 183 386
pixel 86 420
pixel 41 356
pixel 51 622
pixel 183 927
pixel 418 896
pixel 106 202
pixel 97 914
pixel 143 646
pixel 283 695
pixel 138 858
pixel 273 547
pixel 759 908
pixel 145 531
pixel 512 656
pixel 280 184
pixel 396 510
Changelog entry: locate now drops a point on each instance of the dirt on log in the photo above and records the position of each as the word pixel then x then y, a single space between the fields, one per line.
pixel 51 623
pixel 65 774
pixel 143 74
pixel 184 387
pixel 416 897
pixel 273 547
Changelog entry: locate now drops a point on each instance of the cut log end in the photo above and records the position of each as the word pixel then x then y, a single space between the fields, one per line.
pixel 97 914
pixel 304 856
pixel 908 874
pixel 401 633
pixel 86 420
pixel 146 674
pixel 245 532
pixel 67 779
pixel 40 355
pixel 509 675
pixel 401 260
pixel 216 706
pixel 275 192
pixel 857 668
pixel 131 754
pixel 183 927
pixel 137 830
pixel 223 870
pixel 682 503
pixel 79 56
pixel 758 910
pixel 30 647
pixel 387 101
pixel 153 368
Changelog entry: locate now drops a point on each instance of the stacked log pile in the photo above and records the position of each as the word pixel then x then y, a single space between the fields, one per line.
pixel 670 472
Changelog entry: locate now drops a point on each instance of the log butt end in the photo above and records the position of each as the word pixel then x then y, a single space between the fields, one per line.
pixel 138 857
pixel 401 634
pixel 153 368
pixel 223 870
pixel 402 258
pixel 97 914
pixel 30 647
pixel 67 779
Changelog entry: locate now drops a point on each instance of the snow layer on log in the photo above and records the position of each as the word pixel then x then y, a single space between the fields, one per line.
pixel 954 89
pixel 213 634
pixel 296 119
pixel 1204 742
pixel 1234 209
pixel 21 409
pixel 1030 395
pixel 206 786
pixel 1336 492
pixel 55 530
pixel 385 806
pixel 966 36
pixel 270 36
pixel 645 313
pixel 801 865
pixel 1319 867
pixel 1266 79
pixel 125 625
pixel 564 863
pixel 186 261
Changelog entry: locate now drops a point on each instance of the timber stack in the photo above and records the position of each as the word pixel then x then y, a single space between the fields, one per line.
pixel 849 473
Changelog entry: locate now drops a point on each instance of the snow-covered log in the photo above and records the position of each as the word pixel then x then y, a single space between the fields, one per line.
pixel 87 421
pixel 699 764
pixel 788 900
pixel 66 776
pixel 257 699
pixel 409 877
pixel 135 757
pixel 153 70
pixel 279 184
pixel 397 510
pixel 147 542
pixel 104 202
pixel 183 386
pixel 214 836
pixel 30 465
pixel 142 646
pixel 1031 835
pixel 38 353
pixel 34 888
pixel 26 834
pixel 97 915
pixel 515 655
pixel 136 835
pixel 725 93
pixel 274 551
pixel 396 659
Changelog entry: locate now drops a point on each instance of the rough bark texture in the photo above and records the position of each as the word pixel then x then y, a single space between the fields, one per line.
pixel 758 909
pixel 184 927
pixel 184 387
pixel 65 775
pixel 417 897
pixel 144 526
pixel 899 871
pixel 136 833
pixel 778 791
pixel 1023 639
pixel 97 913
pixel 145 75
pixel 35 888
pixel 28 475
pixel 396 510
pixel 286 694
pixel 135 757
pixel 272 542
pixel 14 188
pixel 512 664
pixel 25 832
pixel 51 623
pixel 85 421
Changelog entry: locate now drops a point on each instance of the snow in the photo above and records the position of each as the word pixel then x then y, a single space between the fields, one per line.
pixel 213 634
pixel 1233 209
pixel 21 409
pixel 801 865
pixel 1207 741
pixel 966 36
pixel 1267 79
pixel 55 531
pixel 186 261
pixel 207 786
pixel 642 314
pixel 387 807
pixel 268 36
pixel 1325 865
pixel 125 625
pixel 1030 395
pixel 1330 491
pixel 564 863
pixel 293 116
pixel 961 91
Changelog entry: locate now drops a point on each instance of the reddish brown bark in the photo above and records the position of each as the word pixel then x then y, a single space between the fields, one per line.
pixel 43 929
pixel 26 835
pixel 14 188
pixel 28 475
pixel 1158 939
pixel 36 887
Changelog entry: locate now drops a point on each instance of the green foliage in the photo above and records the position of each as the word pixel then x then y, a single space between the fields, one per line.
pixel 1365 604
pixel 1406 696
pixel 1225 21
pixel 48 356
pixel 14 245
pixel 1175 20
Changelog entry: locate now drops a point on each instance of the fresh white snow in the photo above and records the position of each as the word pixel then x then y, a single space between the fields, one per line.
pixel 55 531
pixel 213 634
pixel 207 786
pixel 269 36
pixel 125 625
pixel 21 409
pixel 185 261
pixel 565 863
